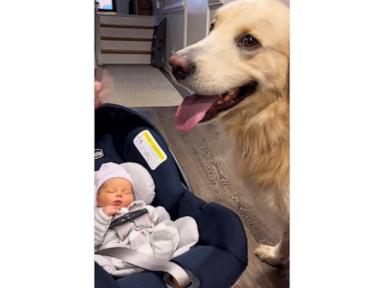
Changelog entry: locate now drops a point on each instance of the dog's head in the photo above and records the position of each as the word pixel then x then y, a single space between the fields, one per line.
pixel 245 54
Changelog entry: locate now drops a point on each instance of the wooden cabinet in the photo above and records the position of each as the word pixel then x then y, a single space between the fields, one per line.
pixel 124 39
pixel 143 7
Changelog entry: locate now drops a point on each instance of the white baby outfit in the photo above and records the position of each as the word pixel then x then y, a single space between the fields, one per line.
pixel 153 234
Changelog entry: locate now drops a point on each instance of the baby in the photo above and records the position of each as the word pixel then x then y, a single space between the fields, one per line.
pixel 152 233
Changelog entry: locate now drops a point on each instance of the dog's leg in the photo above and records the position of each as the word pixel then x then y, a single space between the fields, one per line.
pixel 275 255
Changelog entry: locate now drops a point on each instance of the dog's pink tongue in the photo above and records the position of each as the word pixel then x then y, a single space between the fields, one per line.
pixel 192 110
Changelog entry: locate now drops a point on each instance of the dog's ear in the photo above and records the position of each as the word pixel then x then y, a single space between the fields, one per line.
pixel 282 91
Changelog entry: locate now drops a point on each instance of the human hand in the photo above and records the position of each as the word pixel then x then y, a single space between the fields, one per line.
pixel 104 87
pixel 110 210
pixel 98 87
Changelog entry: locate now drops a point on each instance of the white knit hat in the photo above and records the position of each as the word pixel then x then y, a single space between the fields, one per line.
pixel 110 170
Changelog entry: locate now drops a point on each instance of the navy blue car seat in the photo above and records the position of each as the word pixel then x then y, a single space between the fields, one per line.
pixel 220 256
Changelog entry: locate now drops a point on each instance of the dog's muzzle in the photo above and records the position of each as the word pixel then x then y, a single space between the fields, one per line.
pixel 182 67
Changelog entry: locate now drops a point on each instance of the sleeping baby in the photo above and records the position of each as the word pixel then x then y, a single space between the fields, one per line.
pixel 125 188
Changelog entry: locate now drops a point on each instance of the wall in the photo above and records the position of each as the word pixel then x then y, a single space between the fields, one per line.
pixel 122 7
pixel 285 1
pixel 187 22
pixel 214 5
pixel 173 10
pixel 197 20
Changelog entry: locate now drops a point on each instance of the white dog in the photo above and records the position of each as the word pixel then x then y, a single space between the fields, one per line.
pixel 240 73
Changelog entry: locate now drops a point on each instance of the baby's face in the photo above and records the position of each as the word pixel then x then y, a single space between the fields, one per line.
pixel 116 192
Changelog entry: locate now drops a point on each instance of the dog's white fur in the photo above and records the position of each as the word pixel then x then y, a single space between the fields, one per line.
pixel 257 127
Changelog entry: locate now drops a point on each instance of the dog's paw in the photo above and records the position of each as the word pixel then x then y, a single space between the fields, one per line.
pixel 270 254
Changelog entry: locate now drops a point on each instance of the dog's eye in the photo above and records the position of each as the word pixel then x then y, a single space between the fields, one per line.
pixel 249 42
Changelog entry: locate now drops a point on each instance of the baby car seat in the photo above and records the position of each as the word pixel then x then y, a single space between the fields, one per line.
pixel 220 256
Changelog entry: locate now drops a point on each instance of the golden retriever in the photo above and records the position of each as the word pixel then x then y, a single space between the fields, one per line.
pixel 240 73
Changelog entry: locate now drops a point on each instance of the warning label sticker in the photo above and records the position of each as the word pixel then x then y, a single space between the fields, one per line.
pixel 149 149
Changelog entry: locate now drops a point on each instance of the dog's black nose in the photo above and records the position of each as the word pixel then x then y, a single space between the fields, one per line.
pixel 181 66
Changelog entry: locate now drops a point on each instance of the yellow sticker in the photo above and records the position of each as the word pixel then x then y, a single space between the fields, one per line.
pixel 149 149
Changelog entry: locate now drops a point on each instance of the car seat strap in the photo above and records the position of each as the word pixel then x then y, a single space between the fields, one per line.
pixel 179 277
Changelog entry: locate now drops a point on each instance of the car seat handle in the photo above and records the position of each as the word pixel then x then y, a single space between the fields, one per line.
pixel 179 277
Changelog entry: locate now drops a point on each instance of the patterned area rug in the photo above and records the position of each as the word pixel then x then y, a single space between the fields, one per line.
pixel 141 86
